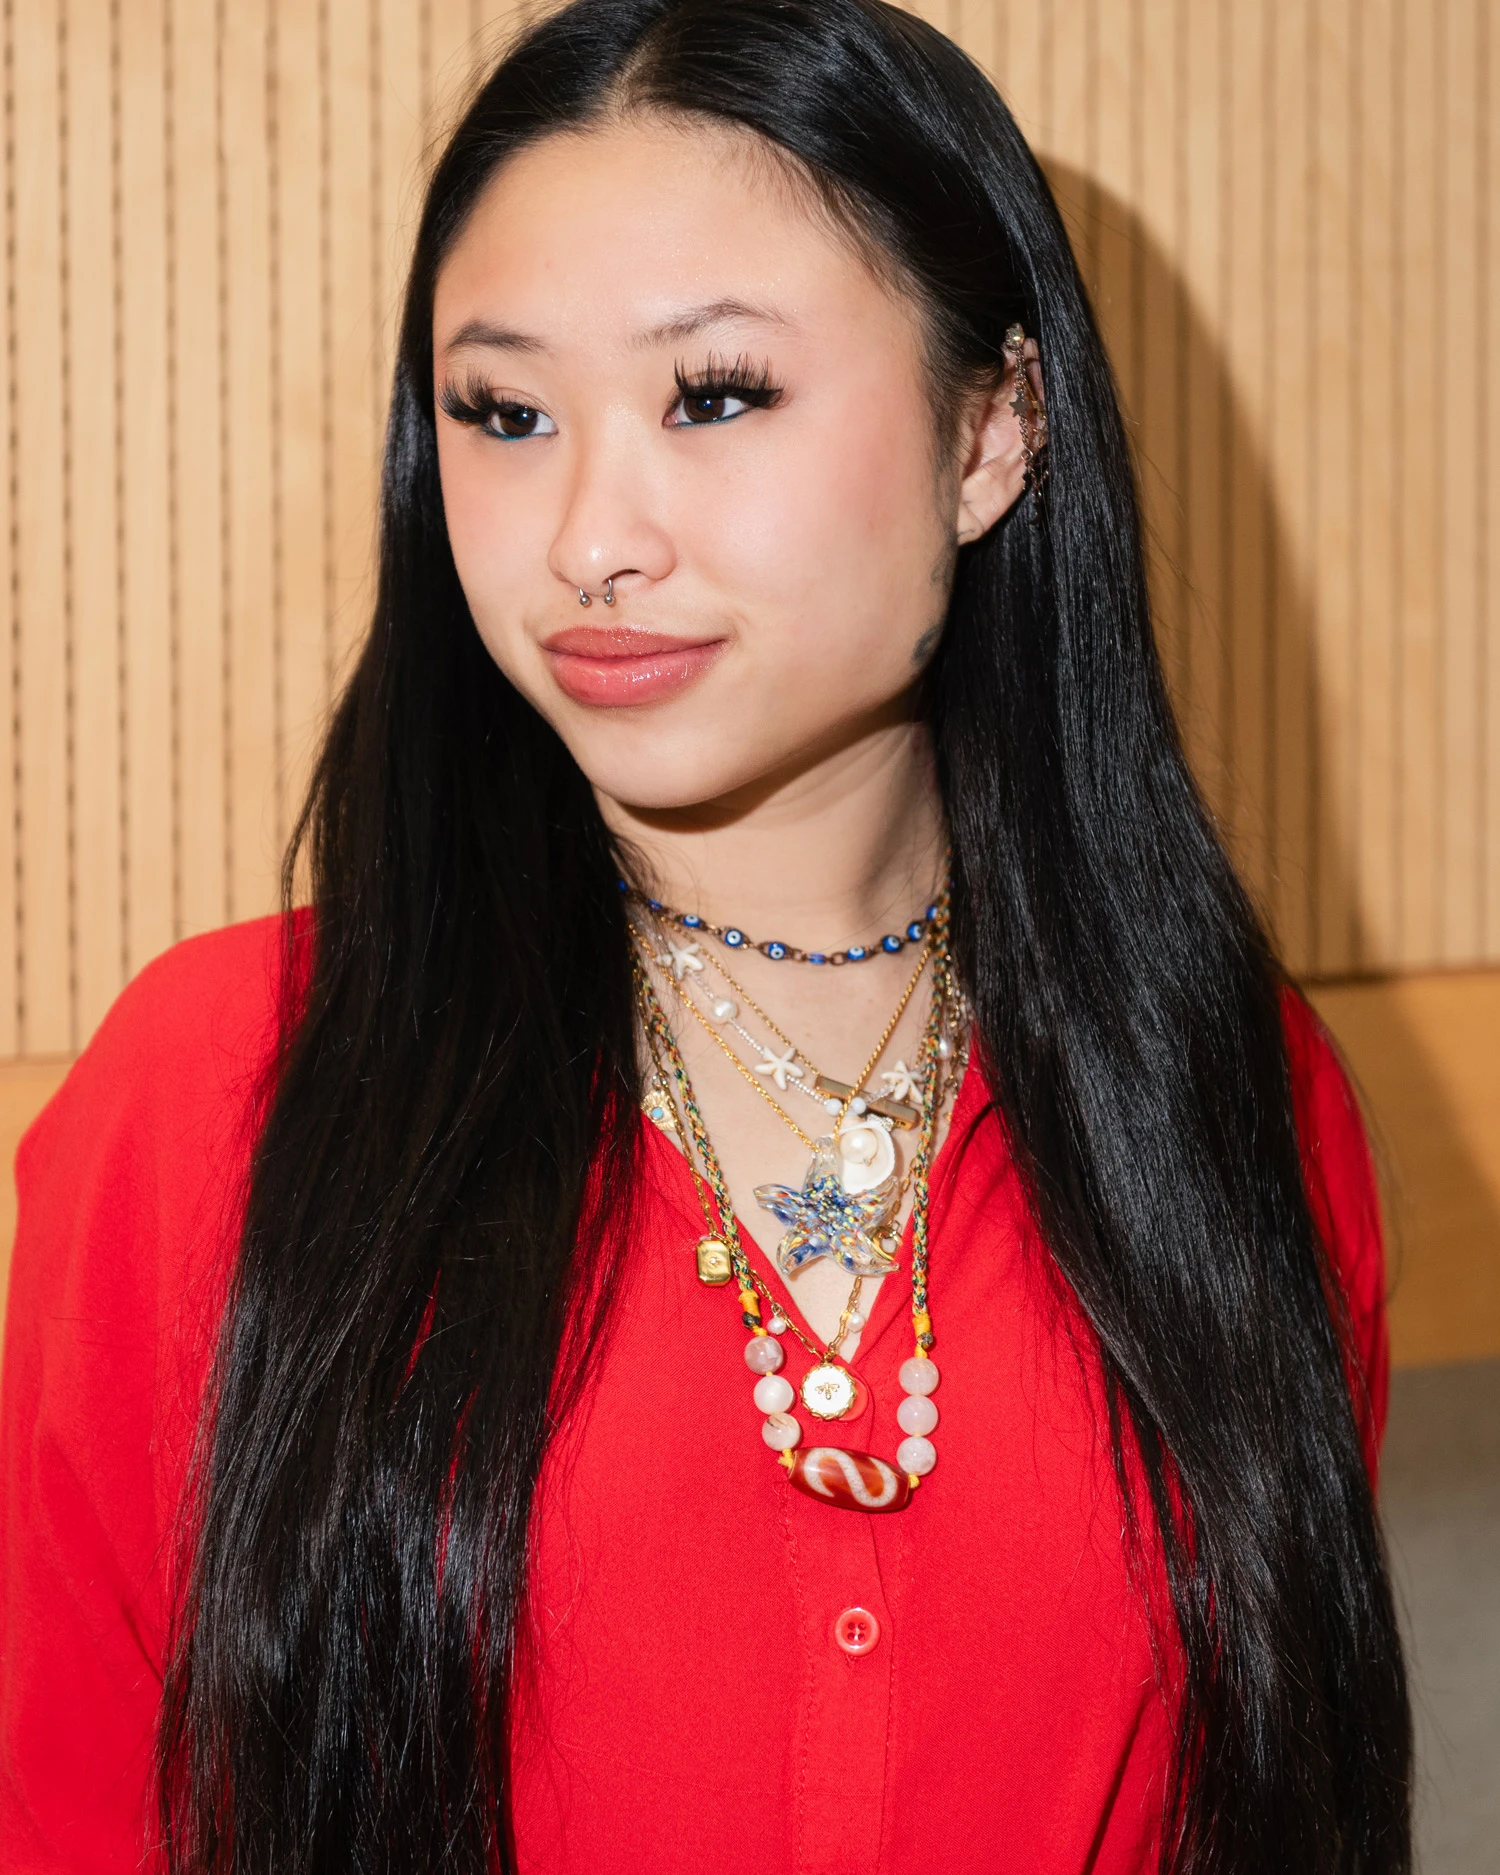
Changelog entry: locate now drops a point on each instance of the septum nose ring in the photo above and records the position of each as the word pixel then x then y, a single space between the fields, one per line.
pixel 609 593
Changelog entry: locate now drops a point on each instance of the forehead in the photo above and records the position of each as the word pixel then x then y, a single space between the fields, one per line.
pixel 605 236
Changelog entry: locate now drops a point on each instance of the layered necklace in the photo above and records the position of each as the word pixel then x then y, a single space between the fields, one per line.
pixel 849 1205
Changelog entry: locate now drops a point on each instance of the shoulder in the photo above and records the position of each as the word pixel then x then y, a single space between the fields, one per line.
pixel 190 1037
pixel 1342 1193
pixel 130 1188
pixel 1330 1129
pixel 130 1183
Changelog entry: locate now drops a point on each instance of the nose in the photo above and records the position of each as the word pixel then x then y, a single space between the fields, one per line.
pixel 610 542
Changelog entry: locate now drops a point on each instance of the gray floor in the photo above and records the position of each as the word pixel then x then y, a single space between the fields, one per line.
pixel 1441 1494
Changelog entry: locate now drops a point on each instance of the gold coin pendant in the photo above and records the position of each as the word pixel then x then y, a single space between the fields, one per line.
pixel 829 1392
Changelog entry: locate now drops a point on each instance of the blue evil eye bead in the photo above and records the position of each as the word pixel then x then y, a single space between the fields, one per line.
pixel 734 938
pixel 655 905
pixel 816 957
pixel 916 931
pixel 856 953
pixel 890 942
pixel 622 885
pixel 692 921
pixel 931 913
pixel 773 949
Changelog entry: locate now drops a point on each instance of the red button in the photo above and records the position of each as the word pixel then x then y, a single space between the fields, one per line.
pixel 856 1630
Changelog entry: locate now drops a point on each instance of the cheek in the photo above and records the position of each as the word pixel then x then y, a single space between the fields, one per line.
pixel 494 530
pixel 835 530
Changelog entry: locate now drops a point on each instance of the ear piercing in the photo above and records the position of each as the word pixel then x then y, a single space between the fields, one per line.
pixel 1030 420
pixel 609 593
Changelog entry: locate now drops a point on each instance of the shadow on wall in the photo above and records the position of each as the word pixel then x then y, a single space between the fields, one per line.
pixel 1239 641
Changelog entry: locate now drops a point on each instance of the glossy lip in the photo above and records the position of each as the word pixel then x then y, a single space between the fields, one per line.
pixel 616 667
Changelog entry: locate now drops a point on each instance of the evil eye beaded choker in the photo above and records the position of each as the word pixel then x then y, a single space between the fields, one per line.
pixel 735 939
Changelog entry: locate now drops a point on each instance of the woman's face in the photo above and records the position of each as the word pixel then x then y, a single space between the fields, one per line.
pixel 657 364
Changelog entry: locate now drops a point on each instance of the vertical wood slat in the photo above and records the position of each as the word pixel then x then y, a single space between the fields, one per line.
pixel 10 567
pixel 92 519
pixel 198 558
pixel 44 995
pixel 1486 480
pixel 1329 615
pixel 248 453
pixel 146 623
pixel 1288 216
pixel 1289 415
pixel 1380 307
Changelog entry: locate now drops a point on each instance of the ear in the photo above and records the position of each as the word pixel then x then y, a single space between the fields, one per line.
pixel 994 463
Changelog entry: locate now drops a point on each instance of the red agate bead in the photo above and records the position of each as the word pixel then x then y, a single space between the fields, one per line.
pixel 850 1480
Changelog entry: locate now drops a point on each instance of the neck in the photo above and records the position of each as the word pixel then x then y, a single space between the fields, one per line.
pixel 832 854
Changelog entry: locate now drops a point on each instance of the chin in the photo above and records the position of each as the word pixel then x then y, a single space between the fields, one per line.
pixel 655 784
pixel 645 767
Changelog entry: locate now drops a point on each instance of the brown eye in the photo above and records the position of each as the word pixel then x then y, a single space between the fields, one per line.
pixel 515 421
pixel 703 409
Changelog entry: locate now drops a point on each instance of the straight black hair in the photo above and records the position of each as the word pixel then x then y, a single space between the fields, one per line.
pixel 425 1260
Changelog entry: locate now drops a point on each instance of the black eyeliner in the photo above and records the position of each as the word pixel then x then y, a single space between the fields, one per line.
pixel 749 380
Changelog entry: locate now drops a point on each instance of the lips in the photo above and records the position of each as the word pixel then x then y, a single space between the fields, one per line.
pixel 615 667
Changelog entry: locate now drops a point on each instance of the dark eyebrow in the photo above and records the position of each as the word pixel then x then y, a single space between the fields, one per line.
pixel 498 338
pixel 688 324
pixel 684 325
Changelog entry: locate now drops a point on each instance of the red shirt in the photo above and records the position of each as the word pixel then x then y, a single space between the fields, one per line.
pixel 691 1706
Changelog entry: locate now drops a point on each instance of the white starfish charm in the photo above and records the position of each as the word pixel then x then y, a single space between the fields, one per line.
pixel 778 1066
pixel 684 957
pixel 899 1083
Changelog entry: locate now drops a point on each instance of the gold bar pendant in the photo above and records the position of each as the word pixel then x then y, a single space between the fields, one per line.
pixel 896 1110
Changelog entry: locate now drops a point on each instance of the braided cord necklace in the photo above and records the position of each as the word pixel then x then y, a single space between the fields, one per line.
pixel 716 1251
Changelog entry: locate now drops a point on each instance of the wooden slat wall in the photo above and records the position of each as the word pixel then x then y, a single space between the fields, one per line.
pixel 1286 213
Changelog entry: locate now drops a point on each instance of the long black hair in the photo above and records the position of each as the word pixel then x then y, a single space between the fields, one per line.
pixel 421 1281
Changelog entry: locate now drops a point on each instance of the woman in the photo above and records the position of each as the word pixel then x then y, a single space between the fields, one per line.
pixel 759 555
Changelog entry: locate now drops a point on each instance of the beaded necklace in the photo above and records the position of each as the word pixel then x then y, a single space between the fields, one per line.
pixel 788 1073
pixel 829 1474
pixel 735 939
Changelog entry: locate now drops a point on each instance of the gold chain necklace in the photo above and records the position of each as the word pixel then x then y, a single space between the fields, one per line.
pixel 829 1474
pixel 765 1093
pixel 724 1009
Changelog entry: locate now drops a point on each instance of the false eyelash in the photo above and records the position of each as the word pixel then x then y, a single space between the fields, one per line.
pixel 746 379
pixel 473 402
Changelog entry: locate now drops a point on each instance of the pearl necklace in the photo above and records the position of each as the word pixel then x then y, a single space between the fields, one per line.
pixel 829 1474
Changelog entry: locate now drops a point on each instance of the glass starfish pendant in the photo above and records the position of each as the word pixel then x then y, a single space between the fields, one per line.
pixel 825 1220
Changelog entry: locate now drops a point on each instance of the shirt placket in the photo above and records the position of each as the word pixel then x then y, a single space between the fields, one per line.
pixel 846 1634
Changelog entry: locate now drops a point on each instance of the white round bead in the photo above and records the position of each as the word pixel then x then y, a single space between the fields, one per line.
pixel 918 1376
pixel 918 1456
pixel 776 1325
pixel 917 1415
pixel 725 1009
pixel 856 1320
pixel 773 1393
pixel 859 1105
pixel 763 1355
pixel 781 1432
pixel 831 1105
